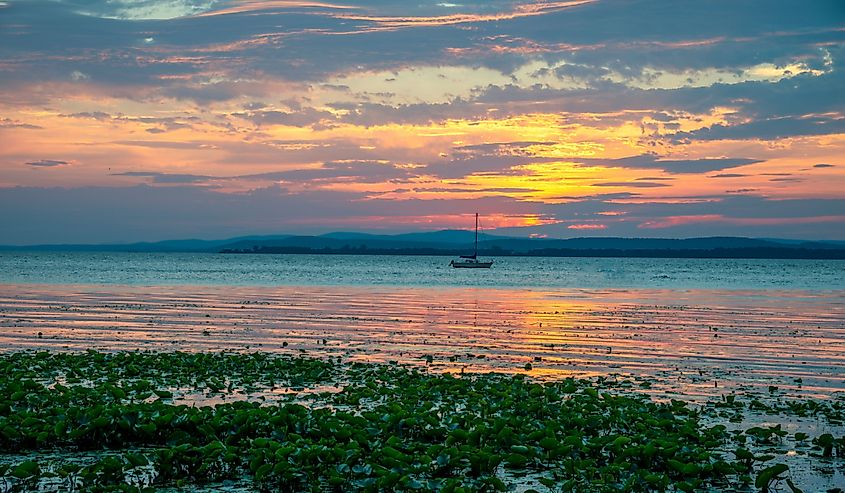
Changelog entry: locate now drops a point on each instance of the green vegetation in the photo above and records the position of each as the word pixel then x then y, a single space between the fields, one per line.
pixel 146 420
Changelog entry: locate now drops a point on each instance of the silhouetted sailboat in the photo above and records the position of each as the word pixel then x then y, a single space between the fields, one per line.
pixel 471 261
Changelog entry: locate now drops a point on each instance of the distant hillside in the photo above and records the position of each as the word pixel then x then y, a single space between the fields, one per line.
pixel 613 243
pixel 462 243
pixel 455 242
pixel 451 240
pixel 190 245
pixel 452 236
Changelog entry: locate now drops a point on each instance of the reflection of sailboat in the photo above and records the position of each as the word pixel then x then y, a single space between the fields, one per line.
pixel 471 261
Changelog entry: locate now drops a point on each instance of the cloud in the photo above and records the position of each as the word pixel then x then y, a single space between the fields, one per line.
pixel 587 226
pixel 791 99
pixel 216 55
pixel 335 171
pixel 94 115
pixel 672 221
pixel 168 178
pixel 634 184
pixel 163 144
pixel 742 190
pixel 768 129
pixel 329 172
pixel 676 166
pixel 300 118
pixel 490 157
pixel 144 10
pixel 728 215
pixel 530 100
pixel 518 12
pixel 47 163
pixel 9 123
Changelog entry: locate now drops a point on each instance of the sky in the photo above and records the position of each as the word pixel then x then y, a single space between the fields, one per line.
pixel 145 120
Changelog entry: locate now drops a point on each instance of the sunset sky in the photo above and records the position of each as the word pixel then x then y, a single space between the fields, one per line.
pixel 141 120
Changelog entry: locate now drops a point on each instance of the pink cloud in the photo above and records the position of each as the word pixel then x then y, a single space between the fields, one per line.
pixel 528 10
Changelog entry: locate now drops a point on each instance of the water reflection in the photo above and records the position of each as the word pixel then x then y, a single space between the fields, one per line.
pixel 695 342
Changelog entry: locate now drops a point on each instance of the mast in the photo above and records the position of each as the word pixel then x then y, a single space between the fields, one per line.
pixel 476 234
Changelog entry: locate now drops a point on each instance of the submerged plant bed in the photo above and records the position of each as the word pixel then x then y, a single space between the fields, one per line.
pixel 133 419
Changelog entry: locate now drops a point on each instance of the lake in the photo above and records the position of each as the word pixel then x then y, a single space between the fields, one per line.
pixel 162 269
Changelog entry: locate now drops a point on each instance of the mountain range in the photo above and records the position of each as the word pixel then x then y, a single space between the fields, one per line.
pixel 453 242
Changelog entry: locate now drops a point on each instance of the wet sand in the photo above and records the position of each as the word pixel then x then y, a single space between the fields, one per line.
pixel 686 343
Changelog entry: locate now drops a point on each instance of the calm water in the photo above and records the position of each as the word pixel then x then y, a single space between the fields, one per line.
pixel 164 269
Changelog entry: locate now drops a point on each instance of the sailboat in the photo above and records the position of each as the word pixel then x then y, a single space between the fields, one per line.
pixel 471 261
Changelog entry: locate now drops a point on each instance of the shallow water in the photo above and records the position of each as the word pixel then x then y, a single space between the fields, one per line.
pixel 695 342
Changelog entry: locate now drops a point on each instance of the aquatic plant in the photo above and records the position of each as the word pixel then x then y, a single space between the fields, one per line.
pixel 178 419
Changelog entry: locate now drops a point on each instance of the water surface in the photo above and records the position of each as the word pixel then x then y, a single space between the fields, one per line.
pixel 700 326
pixel 423 271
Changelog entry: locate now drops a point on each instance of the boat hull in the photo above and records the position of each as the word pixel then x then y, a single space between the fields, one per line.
pixel 471 265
